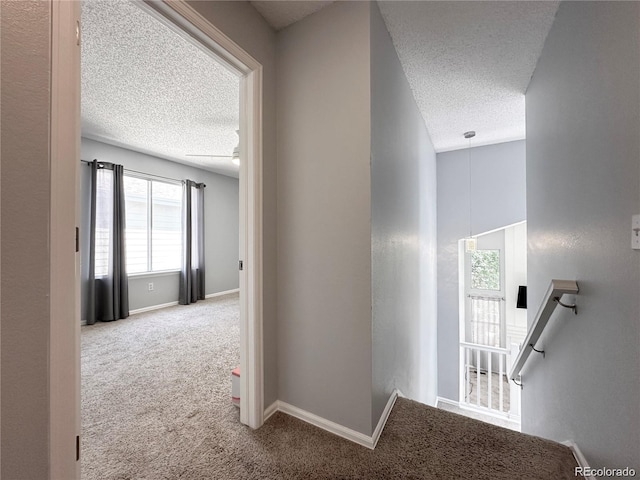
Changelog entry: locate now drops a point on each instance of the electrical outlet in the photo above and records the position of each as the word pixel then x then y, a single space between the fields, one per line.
pixel 635 232
pixel 150 286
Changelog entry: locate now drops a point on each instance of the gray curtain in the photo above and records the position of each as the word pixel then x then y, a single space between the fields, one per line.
pixel 192 273
pixel 108 284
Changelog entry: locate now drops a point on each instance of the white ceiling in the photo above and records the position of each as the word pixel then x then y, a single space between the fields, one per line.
pixel 148 89
pixel 468 63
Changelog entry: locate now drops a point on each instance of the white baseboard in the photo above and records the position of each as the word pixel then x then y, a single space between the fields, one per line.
pixel 270 410
pixel 220 294
pixel 579 456
pixel 515 419
pixel 153 307
pixel 328 425
pixel 447 401
pixel 172 304
pixel 384 417
pixel 332 427
pixel 142 310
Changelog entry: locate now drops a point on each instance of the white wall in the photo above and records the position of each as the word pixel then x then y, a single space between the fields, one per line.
pixel 324 208
pixel 515 240
pixel 583 153
pixel 498 199
pixel 403 233
pixel 221 224
pixel 25 202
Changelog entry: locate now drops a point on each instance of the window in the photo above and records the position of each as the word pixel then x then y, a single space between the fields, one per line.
pixel 485 315
pixel 485 269
pixel 153 232
pixel 104 221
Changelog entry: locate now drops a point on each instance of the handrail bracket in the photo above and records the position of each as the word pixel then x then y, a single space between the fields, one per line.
pixel 535 350
pixel 573 307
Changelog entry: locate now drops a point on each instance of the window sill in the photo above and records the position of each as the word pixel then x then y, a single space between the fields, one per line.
pixel 161 273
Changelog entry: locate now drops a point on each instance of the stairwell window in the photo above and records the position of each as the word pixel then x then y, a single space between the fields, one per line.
pixel 485 269
pixel 153 232
pixel 484 289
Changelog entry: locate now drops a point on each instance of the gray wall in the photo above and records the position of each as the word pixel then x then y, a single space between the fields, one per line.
pixel 324 207
pixel 583 108
pixel 498 199
pixel 24 261
pixel 245 26
pixel 403 232
pixel 221 224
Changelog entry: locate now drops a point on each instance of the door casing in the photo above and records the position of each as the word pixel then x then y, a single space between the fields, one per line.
pixel 64 354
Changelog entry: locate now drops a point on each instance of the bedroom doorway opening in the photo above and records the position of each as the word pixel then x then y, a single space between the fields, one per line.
pixel 65 343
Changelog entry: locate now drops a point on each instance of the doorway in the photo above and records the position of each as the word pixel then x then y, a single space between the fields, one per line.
pixel 491 325
pixel 65 161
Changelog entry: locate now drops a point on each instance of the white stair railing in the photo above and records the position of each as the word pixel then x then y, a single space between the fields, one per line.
pixel 550 301
pixel 484 378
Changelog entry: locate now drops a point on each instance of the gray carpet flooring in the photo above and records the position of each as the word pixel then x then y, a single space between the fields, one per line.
pixel 155 405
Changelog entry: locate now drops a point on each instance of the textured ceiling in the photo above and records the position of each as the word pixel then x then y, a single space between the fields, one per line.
pixel 280 14
pixel 148 89
pixel 468 63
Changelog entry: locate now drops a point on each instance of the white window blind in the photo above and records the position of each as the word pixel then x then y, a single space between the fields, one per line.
pixel 104 221
pixel 195 257
pixel 136 198
pixel 485 321
pixel 166 237
pixel 153 232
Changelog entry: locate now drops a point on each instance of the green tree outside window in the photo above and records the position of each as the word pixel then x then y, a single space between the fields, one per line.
pixel 485 270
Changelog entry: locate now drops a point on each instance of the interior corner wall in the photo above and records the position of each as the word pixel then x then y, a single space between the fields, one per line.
pixel 583 186
pixel 324 209
pixel 403 233
pixel 221 210
pixel 25 217
pixel 497 198
pixel 244 25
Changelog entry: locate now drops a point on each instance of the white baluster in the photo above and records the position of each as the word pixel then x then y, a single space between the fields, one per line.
pixel 500 358
pixel 478 377
pixel 467 378
pixel 489 378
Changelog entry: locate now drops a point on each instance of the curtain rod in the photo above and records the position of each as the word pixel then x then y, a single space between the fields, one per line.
pixel 143 173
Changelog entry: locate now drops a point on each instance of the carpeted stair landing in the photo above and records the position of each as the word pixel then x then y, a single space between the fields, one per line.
pixel 155 405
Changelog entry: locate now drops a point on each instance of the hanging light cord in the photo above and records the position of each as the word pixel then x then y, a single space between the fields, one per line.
pixel 469 135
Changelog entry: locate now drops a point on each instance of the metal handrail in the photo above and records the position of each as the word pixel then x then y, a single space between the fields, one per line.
pixel 550 301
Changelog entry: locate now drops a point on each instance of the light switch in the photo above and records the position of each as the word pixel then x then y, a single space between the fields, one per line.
pixel 635 232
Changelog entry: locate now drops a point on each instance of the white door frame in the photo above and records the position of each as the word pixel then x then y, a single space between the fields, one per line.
pixel 64 337
pixel 64 376
pixel 193 26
